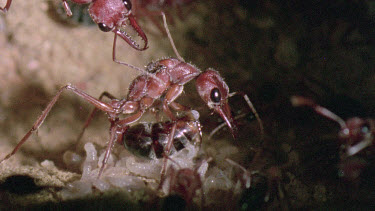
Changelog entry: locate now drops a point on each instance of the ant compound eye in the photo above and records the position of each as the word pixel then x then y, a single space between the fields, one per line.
pixel 365 128
pixel 104 27
pixel 128 4
pixel 215 95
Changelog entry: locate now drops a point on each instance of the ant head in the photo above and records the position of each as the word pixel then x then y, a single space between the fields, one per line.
pixel 115 15
pixel 215 92
pixel 357 130
pixel 108 13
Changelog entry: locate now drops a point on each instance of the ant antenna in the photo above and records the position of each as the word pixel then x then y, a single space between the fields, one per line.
pixel 170 38
pixel 129 65
pixel 223 125
pixel 246 176
pixel 302 101
pixel 252 108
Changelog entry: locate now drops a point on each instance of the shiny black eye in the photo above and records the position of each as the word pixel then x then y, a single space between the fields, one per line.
pixel 104 27
pixel 128 4
pixel 215 95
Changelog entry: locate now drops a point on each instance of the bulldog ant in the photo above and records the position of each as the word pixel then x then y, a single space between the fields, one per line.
pixel 113 15
pixel 355 134
pixel 162 81
pixel 7 6
pixel 110 15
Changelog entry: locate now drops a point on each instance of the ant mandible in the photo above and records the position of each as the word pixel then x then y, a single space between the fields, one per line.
pixel 110 15
pixel 113 15
pixel 7 6
pixel 164 81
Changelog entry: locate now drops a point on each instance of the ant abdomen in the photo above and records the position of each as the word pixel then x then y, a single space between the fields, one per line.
pixel 150 139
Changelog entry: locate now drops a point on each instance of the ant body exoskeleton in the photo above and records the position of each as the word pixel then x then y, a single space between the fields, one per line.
pixel 150 139
pixel 163 81
pixel 113 15
pixel 110 15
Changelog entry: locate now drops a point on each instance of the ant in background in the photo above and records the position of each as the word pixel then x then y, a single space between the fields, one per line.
pixel 355 136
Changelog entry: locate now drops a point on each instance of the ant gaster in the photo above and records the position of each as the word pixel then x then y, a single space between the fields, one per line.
pixel 164 81
pixel 355 133
pixel 150 139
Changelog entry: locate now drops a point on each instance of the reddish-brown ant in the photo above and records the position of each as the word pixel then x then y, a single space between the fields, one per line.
pixel 163 81
pixel 110 15
pixel 355 134
pixel 113 15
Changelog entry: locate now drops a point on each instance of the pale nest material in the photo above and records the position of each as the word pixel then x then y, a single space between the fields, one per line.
pixel 123 171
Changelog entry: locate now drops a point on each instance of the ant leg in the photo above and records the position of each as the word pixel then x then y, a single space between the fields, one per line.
pixel 97 103
pixel 170 37
pixel 251 106
pixel 118 128
pixel 93 112
pixel 117 33
pixel 67 8
pixel 114 132
pixel 173 92
pixel 7 6
pixel 155 22
pixel 170 172
pixel 179 107
pixel 302 101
